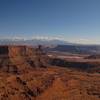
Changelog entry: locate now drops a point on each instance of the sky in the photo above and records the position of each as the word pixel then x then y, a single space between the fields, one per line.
pixel 75 21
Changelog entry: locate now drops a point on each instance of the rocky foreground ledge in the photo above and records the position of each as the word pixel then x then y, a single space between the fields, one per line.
pixel 14 58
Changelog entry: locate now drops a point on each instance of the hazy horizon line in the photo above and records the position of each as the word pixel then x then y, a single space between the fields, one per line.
pixel 79 41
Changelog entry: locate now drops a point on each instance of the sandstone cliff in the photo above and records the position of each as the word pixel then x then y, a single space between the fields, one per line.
pixel 21 58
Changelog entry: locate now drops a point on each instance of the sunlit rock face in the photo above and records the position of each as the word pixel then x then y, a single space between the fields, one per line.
pixel 15 58
pixel 15 51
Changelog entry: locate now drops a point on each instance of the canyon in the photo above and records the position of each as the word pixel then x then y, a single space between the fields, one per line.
pixel 28 73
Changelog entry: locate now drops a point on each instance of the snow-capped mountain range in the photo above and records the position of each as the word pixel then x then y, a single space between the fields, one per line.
pixel 34 41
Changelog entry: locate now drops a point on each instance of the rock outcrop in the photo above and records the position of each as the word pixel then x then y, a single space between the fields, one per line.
pixel 15 58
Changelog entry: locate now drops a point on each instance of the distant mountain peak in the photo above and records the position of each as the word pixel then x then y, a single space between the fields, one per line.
pixel 33 41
